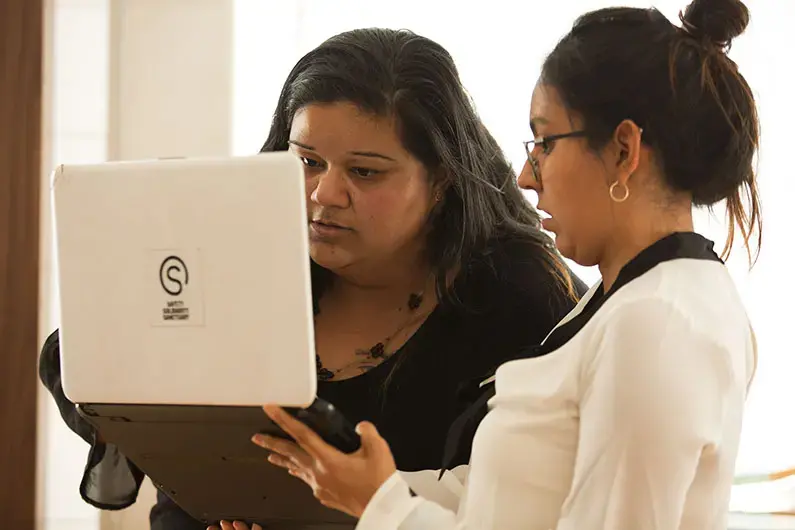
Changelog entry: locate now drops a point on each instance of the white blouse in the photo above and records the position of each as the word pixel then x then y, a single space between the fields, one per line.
pixel 632 424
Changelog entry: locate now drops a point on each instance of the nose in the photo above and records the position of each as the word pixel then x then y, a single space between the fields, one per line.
pixel 331 189
pixel 527 179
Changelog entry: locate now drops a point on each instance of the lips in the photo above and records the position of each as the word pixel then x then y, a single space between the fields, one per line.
pixel 329 224
pixel 547 222
pixel 327 231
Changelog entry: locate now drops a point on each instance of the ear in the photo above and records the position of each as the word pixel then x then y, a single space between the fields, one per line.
pixel 441 182
pixel 626 149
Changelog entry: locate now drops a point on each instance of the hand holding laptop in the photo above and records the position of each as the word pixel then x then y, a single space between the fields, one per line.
pixel 344 482
pixel 339 480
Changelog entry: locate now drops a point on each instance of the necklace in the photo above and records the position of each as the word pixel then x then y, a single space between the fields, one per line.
pixel 378 351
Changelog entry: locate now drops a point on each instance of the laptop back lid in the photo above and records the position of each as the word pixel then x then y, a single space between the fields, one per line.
pixel 185 281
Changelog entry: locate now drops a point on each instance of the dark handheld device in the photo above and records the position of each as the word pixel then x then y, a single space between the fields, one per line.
pixel 328 422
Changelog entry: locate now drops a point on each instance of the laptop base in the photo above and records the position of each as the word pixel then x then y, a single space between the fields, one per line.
pixel 202 457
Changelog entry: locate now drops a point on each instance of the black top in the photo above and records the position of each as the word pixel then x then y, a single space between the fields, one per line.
pixel 507 305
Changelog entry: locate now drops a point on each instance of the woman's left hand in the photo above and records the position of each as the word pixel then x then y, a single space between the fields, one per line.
pixel 237 525
pixel 344 482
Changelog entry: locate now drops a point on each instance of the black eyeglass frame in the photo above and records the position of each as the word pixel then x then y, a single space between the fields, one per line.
pixel 530 145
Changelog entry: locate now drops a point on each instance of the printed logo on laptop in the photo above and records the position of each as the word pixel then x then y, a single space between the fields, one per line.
pixel 174 279
pixel 173 275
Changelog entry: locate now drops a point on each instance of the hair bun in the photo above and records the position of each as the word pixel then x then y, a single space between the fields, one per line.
pixel 718 21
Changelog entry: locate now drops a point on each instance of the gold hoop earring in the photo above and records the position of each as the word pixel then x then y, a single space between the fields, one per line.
pixel 438 196
pixel 612 192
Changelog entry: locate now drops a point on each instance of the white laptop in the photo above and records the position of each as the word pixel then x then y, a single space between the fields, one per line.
pixel 185 281
pixel 186 304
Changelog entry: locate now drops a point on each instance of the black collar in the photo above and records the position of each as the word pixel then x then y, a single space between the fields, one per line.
pixel 680 245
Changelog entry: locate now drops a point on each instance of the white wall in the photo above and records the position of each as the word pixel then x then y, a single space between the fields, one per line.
pixel 267 43
pixel 171 78
pixel 75 130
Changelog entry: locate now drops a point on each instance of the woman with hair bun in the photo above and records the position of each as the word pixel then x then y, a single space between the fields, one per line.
pixel 629 414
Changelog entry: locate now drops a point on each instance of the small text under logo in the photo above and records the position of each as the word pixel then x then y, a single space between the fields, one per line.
pixel 176 310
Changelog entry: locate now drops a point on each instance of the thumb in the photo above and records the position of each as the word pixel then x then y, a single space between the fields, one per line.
pixel 371 440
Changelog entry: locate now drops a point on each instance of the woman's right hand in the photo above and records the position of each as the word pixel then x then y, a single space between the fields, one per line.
pixel 237 525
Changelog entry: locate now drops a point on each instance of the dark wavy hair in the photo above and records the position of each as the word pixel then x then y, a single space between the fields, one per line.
pixel 401 74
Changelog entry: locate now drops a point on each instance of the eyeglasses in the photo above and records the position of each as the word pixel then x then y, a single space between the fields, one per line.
pixel 546 143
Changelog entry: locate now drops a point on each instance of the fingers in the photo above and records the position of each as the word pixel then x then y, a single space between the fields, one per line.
pixel 305 475
pixel 237 525
pixel 286 463
pixel 372 443
pixel 303 435
pixel 284 448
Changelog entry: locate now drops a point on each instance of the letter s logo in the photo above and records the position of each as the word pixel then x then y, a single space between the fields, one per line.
pixel 173 275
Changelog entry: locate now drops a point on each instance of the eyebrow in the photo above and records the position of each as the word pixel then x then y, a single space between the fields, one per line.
pixel 538 120
pixel 370 154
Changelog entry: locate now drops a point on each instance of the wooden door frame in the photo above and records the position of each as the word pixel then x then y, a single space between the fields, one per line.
pixel 21 87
